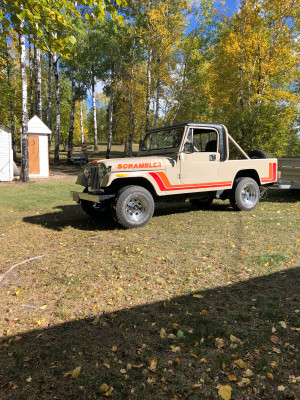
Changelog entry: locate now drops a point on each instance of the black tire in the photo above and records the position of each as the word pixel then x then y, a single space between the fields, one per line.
pixel 258 154
pixel 90 208
pixel 202 202
pixel 245 194
pixel 134 206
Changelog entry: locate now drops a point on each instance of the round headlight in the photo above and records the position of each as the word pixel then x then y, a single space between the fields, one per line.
pixel 86 171
pixel 102 170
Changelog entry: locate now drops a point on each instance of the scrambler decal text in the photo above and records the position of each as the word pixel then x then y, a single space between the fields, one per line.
pixel 140 165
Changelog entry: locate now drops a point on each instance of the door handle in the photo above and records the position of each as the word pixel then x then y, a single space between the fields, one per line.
pixel 212 157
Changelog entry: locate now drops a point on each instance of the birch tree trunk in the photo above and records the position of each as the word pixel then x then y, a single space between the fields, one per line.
pixel 31 77
pixel 38 82
pixel 81 123
pixel 13 122
pixel 131 101
pixel 12 94
pixel 49 105
pixel 95 115
pixel 157 101
pixel 110 112
pixel 24 134
pixel 148 96
pixel 180 97
pixel 57 107
pixel 72 117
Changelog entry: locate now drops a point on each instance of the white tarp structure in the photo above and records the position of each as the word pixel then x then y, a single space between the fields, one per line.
pixel 6 154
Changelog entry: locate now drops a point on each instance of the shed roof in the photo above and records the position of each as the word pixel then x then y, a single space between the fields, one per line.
pixel 36 125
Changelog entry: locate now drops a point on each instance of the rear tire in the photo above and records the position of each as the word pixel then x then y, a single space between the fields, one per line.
pixel 258 154
pixel 245 194
pixel 134 206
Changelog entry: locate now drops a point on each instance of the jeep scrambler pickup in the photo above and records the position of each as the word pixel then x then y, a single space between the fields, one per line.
pixel 184 161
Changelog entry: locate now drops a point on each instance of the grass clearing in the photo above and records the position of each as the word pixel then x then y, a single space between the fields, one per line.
pixel 192 302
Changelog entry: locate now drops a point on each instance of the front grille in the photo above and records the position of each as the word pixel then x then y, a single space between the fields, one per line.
pixel 95 178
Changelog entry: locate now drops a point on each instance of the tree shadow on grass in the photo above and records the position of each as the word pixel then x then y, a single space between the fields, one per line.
pixel 243 335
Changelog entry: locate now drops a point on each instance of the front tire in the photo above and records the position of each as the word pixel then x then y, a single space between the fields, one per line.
pixel 134 207
pixel 90 208
pixel 245 194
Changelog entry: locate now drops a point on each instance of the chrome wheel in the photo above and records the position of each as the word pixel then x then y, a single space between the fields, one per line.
pixel 249 195
pixel 136 208
pixel 245 194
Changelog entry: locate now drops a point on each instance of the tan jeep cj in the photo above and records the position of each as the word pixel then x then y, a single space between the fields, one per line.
pixel 184 161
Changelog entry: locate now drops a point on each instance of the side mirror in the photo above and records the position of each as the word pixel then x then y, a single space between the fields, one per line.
pixel 188 147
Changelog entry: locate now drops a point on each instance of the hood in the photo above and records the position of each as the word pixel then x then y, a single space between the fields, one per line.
pixel 136 163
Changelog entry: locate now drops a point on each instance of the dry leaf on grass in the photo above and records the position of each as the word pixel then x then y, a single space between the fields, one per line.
pixel 240 363
pixel 153 364
pixel 225 392
pixel 76 372
pixel 163 333
pixel 103 388
pixel 219 342
pixel 274 339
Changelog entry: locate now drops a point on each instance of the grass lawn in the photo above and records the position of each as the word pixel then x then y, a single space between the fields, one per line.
pixel 195 305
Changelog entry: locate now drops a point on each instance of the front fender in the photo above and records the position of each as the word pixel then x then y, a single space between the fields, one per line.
pixel 117 180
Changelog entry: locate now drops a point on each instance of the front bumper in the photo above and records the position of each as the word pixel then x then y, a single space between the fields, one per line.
pixel 94 198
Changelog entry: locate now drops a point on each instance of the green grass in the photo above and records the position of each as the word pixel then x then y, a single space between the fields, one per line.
pixel 207 274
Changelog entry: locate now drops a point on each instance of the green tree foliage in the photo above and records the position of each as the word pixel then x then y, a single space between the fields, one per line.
pixel 253 73
pixel 50 20
pixel 49 23
pixel 167 62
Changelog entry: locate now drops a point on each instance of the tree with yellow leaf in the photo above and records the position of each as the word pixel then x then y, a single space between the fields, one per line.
pixel 253 73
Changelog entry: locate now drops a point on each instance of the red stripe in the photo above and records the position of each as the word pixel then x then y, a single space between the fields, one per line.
pixel 158 181
pixel 272 174
pixel 185 187
pixel 275 171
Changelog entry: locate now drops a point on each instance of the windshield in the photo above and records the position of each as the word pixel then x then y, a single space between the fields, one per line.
pixel 163 139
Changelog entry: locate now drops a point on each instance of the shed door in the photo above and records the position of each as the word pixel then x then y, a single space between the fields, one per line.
pixel 34 159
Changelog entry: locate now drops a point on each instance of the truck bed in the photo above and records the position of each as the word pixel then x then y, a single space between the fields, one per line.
pixel 289 173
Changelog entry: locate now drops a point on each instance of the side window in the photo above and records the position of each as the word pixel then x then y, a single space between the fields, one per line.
pixel 205 140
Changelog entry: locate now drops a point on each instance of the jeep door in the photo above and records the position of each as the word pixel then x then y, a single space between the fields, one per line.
pixel 200 159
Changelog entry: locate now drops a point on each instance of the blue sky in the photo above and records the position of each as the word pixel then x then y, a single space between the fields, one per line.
pixel 232 5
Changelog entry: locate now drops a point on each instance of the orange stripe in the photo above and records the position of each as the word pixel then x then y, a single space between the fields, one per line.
pixel 272 173
pixel 169 186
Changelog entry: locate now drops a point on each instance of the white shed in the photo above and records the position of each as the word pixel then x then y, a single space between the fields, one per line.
pixel 6 154
pixel 38 147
